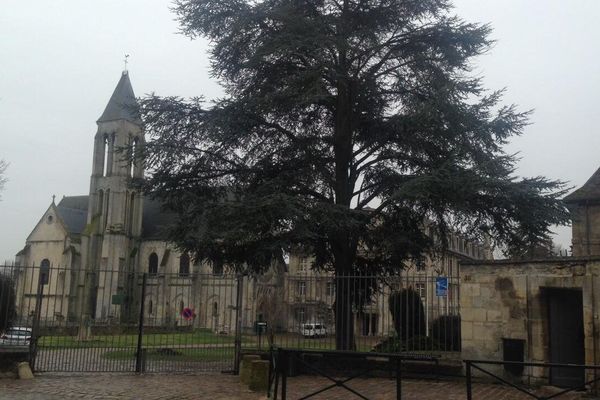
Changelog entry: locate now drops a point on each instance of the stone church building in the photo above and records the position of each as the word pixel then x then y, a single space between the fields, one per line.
pixel 113 232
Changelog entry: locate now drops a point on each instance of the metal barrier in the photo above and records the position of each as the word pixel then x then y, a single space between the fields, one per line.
pixel 282 357
pixel 403 313
pixel 476 365
pixel 114 319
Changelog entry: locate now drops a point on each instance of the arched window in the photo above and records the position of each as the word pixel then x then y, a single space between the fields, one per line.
pixel 133 161
pixel 105 152
pixel 215 310
pixel 181 307
pixel 150 307
pixel 106 208
pixel 184 265
pixel 44 271
pixel 153 264
pixel 218 267
pixel 111 152
pixel 100 202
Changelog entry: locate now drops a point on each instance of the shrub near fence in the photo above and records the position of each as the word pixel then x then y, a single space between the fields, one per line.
pixel 445 330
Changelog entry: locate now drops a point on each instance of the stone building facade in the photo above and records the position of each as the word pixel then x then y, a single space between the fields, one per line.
pixel 541 310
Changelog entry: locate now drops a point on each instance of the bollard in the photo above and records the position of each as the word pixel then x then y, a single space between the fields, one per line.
pixel 259 378
pixel 24 370
pixel 245 368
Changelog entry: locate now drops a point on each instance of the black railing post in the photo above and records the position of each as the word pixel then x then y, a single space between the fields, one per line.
pixel 139 358
pixel 271 371
pixel 238 323
pixel 284 371
pixel 398 379
pixel 277 372
pixel 468 374
pixel 35 331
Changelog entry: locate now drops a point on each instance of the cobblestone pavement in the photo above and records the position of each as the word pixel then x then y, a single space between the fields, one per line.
pixel 385 389
pixel 222 387
pixel 127 386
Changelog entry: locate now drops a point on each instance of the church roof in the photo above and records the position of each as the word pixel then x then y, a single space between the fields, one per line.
pixel 72 211
pixel 589 191
pixel 122 103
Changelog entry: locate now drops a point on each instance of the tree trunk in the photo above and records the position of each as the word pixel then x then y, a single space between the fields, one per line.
pixel 341 240
pixel 344 317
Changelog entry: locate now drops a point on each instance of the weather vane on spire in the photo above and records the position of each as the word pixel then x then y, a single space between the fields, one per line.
pixel 125 61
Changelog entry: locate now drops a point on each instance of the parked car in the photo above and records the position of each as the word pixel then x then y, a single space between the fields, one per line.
pixel 16 336
pixel 313 330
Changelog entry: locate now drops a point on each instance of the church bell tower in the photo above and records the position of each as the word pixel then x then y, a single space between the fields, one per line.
pixel 114 220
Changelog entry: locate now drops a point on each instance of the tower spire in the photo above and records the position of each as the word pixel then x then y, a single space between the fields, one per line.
pixel 125 61
pixel 122 103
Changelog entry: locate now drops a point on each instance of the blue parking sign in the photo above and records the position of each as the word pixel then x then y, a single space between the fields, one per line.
pixel 441 286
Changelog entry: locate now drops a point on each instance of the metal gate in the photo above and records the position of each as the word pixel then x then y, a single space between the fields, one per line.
pixel 111 321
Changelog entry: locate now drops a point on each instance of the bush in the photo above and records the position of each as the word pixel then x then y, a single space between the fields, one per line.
pixel 8 311
pixel 407 313
pixel 446 331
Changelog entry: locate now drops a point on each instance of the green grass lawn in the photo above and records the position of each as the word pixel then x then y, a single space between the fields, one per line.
pixel 185 354
pixel 200 336
pixel 297 341
pixel 195 338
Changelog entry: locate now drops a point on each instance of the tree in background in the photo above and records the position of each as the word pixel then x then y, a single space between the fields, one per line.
pixel 346 124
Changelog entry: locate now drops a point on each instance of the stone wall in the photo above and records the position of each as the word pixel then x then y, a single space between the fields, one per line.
pixel 507 300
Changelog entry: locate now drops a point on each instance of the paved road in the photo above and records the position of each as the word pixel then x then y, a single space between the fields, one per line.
pixel 227 387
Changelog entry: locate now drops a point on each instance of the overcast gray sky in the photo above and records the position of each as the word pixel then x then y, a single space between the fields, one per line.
pixel 60 61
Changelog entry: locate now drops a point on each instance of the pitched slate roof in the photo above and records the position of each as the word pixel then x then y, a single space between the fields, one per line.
pixel 122 103
pixel 72 211
pixel 589 191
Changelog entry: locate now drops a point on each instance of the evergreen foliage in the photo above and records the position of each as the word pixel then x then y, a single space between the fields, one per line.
pixel 407 313
pixel 346 124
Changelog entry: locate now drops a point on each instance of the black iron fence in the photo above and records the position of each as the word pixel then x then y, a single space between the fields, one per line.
pixel 282 359
pixel 584 377
pixel 117 321
pixel 405 313
pixel 113 320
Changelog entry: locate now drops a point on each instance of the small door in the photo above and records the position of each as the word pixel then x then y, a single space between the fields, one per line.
pixel 565 320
